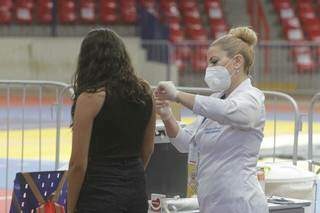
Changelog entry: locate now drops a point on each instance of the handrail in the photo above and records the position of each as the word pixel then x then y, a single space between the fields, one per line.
pixel 314 99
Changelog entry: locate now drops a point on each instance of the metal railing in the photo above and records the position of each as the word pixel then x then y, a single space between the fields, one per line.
pixel 311 119
pixel 60 91
pixel 30 109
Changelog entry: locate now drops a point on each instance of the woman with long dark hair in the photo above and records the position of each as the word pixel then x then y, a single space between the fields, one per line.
pixel 113 129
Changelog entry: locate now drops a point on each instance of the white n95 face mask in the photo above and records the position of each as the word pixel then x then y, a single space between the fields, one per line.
pixel 217 78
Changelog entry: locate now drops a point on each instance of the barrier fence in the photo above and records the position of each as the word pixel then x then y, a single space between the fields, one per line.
pixel 38 105
pixel 30 126
pixel 311 122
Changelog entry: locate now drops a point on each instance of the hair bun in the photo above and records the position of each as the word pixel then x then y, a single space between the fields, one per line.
pixel 246 34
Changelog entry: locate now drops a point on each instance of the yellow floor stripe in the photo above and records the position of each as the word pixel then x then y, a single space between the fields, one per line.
pixel 31 140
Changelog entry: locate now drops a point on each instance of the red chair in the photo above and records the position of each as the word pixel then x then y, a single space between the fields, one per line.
pixel 170 11
pixel 291 23
pixel 183 52
pixel 175 33
pixel 44 11
pixel 216 33
pixel 286 13
pixel 304 63
pixel 188 6
pixel 303 59
pixel 128 10
pixel 282 4
pixel 294 34
pixel 24 11
pixel 199 59
pixel 5 11
pixel 215 13
pixel 66 12
pixel 192 18
pixel 87 11
pixel 208 4
pixel 108 11
pixel 197 32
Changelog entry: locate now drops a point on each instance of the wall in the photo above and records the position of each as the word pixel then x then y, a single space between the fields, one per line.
pixel 55 59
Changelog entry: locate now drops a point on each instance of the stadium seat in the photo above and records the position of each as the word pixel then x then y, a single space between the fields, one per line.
pixel 304 63
pixel 199 59
pixel 294 34
pixel 192 18
pixel 5 11
pixel 196 32
pixel 170 11
pixel 24 11
pixel 87 11
pixel 175 33
pixel 66 12
pixel 44 11
pixel 108 11
pixel 183 52
pixel 291 23
pixel 281 4
pixel 128 9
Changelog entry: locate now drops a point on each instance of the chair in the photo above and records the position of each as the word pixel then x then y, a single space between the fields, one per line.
pixel 39 192
pixel 66 12
pixel 24 11
pixel 5 11
pixel 87 11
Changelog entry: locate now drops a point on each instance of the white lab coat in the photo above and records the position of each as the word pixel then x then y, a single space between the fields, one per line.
pixel 228 142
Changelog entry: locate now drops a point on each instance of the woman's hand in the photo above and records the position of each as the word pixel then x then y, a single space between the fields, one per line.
pixel 162 106
pixel 167 91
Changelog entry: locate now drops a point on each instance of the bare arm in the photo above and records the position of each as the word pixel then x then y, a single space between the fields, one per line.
pixel 148 142
pixel 87 107
pixel 186 99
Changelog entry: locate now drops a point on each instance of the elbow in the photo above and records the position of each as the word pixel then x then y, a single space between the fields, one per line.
pixel 149 151
pixel 78 168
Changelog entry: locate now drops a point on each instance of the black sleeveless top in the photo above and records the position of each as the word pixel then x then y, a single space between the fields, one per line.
pixel 119 128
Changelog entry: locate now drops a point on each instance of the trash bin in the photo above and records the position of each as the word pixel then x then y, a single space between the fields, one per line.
pixel 287 180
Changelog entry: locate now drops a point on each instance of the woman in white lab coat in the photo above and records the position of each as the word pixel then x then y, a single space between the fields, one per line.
pixel 229 128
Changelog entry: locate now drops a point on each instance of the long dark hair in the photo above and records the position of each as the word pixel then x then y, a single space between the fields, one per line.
pixel 104 63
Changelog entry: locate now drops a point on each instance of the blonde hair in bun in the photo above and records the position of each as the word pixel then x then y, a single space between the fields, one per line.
pixel 239 40
pixel 246 34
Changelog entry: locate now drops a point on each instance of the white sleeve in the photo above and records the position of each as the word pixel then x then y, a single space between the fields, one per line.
pixel 241 111
pixel 184 137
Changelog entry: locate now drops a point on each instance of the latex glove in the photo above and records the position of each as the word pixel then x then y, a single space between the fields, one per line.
pixel 162 107
pixel 167 90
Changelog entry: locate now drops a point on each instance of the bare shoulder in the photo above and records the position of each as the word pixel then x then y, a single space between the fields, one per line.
pixel 91 102
pixel 145 83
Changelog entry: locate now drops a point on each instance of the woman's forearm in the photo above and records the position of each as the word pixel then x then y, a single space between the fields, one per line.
pixel 75 181
pixel 172 127
pixel 186 99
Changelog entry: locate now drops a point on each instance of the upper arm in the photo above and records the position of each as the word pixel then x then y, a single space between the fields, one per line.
pixel 241 111
pixel 87 107
pixel 148 141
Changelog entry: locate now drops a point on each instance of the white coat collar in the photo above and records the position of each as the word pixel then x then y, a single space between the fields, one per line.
pixel 246 84
pixel 242 86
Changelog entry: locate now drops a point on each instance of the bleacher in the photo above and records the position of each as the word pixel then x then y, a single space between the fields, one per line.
pixel 300 22
pixel 27 12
